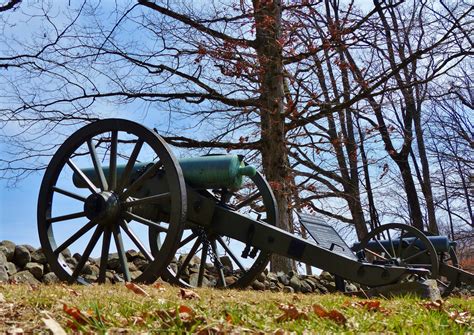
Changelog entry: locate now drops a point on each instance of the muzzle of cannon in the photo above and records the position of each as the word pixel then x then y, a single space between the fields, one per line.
pixel 205 172
pixel 115 194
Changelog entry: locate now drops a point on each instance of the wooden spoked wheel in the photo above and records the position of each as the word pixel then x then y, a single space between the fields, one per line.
pixel 401 245
pixel 204 258
pixel 100 220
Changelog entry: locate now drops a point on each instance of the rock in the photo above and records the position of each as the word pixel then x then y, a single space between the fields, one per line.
pixel 35 269
pixel 77 257
pixel 132 255
pixel 140 263
pixel 50 278
pixel 3 259
pixel 3 274
pixel 22 255
pixel 25 277
pixel 288 289
pixel 259 286
pixel 321 288
pixel 261 277
pixel 135 274
pixel 283 278
pixel 132 267
pixel 272 277
pixel 8 249
pixel 193 280
pixel 295 283
pixel 90 269
pixel 11 268
pixel 326 276
pixel 38 256
pixel 113 262
pixel 427 289
pixel 195 260
pixel 350 287
pixel 30 248
pixel 305 287
pixel 227 262
pixel 66 253
pixel 230 280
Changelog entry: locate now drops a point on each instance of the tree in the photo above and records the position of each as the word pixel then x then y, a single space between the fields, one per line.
pixel 287 80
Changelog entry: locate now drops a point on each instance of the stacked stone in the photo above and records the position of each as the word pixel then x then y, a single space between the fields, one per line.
pixel 25 264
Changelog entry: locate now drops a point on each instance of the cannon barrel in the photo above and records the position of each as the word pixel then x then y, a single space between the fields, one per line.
pixel 205 172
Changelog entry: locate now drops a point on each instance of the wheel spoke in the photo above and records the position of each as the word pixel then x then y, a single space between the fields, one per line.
pixel 124 179
pixel 97 166
pixel 375 254
pixel 188 258
pixel 415 255
pixel 104 256
pixel 218 264
pixel 140 180
pixel 187 240
pixel 121 253
pixel 74 237
pixel 69 194
pixel 136 240
pixel 90 185
pixel 231 254
pixel 152 224
pixel 148 200
pixel 66 217
pixel 202 265
pixel 442 283
pixel 394 255
pixel 247 201
pixel 383 248
pixel 412 243
pixel 400 240
pixel 113 160
pixel 85 256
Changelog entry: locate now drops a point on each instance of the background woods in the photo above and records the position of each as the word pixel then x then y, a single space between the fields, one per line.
pixel 358 112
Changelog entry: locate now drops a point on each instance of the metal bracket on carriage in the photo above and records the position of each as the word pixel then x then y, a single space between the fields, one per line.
pixel 246 252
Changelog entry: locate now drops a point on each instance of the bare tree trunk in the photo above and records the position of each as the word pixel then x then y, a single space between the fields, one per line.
pixel 274 150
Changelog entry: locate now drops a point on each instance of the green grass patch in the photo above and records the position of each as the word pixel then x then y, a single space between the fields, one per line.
pixel 164 308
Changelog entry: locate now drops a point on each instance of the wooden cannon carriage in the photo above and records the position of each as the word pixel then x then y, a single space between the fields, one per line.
pixel 117 180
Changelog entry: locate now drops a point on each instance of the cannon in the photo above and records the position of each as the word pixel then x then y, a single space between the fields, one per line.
pixel 117 180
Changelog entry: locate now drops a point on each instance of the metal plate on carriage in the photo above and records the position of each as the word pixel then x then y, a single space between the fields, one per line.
pixel 325 236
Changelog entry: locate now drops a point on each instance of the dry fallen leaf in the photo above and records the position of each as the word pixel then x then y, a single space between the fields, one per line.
pixel 333 315
pixel 433 305
pixel 53 325
pixel 77 316
pixel 461 318
pixel 159 287
pixel 136 289
pixel 188 294
pixel 370 305
pixel 291 312
pixel 2 298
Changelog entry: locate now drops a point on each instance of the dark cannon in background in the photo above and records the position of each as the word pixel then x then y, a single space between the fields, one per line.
pixel 117 180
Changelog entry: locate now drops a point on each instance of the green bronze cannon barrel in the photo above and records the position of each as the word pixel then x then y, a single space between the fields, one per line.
pixel 205 172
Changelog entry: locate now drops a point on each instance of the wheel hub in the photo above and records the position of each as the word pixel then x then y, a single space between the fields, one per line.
pixel 104 206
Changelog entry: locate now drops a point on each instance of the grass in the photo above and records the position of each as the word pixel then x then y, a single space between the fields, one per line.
pixel 164 308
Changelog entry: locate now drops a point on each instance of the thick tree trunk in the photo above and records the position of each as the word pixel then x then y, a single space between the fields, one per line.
pixel 426 182
pixel 274 150
pixel 410 189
